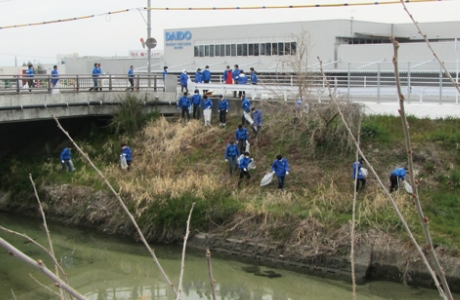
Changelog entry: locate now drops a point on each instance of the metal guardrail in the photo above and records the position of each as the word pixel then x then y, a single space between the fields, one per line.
pixel 281 85
pixel 79 83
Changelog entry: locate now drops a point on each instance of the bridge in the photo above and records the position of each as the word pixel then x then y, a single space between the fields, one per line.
pixel 73 96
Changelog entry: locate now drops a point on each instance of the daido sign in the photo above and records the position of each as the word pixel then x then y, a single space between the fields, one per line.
pixel 178 35
pixel 178 39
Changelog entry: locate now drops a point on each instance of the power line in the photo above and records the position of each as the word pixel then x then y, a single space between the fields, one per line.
pixel 219 8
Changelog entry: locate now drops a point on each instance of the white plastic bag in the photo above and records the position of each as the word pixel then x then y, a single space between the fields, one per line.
pixel 123 163
pixel 248 118
pixel 408 187
pixel 72 168
pixel 252 165
pixel 267 179
pixel 207 115
pixel 365 172
pixel 247 146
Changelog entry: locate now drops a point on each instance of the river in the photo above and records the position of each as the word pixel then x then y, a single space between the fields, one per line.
pixel 103 266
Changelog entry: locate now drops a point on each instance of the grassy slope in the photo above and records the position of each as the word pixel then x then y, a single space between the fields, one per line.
pixel 175 165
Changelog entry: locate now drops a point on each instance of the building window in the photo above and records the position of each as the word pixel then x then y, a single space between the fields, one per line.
pixel 222 50
pixel 251 49
pixel 274 48
pixel 239 50
pixel 268 49
pixel 256 49
pixel 233 50
pixel 217 50
pixel 201 50
pixel 227 50
pixel 262 49
pixel 245 49
pixel 206 51
pixel 196 51
pixel 211 50
pixel 287 48
pixel 280 48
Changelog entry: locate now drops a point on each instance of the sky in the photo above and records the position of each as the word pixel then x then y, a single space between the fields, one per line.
pixel 116 35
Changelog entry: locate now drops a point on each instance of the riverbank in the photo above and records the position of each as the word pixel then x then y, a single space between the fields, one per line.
pixel 306 225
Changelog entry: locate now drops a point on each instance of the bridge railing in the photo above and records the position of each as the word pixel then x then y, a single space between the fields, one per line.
pixel 79 83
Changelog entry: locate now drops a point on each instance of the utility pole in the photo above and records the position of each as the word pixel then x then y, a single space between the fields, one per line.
pixel 149 35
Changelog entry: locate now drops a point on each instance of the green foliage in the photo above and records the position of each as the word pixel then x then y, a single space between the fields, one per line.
pixel 130 116
pixel 378 128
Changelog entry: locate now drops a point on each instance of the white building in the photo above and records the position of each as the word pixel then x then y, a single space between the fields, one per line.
pixel 343 46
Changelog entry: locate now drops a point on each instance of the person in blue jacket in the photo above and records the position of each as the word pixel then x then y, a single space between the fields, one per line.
pixel 397 173
pixel 165 72
pixel 254 78
pixel 244 171
pixel 281 167
pixel 198 76
pixel 131 78
pixel 241 137
pixel 235 74
pixel 99 73
pixel 257 117
pixel 196 104
pixel 65 160
pixel 231 154
pixel 206 75
pixel 30 73
pixel 54 76
pixel 126 152
pixel 95 75
pixel 207 110
pixel 242 79
pixel 184 104
pixel 246 106
pixel 183 79
pixel 357 173
pixel 223 110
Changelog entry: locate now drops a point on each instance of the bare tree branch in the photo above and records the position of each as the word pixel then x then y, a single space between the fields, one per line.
pixel 44 286
pixel 48 236
pixel 353 219
pixel 39 265
pixel 393 203
pixel 131 217
pixel 211 277
pixel 38 245
pixel 429 47
pixel 423 219
pixel 187 232
pixel 12 293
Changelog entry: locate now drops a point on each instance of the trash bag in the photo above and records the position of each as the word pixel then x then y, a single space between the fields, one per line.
pixel 252 165
pixel 408 187
pixel 123 163
pixel 365 172
pixel 267 179
pixel 248 118
pixel 247 146
pixel 72 168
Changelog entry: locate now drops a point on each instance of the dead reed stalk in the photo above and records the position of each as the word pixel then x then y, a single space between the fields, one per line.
pixel 211 277
pixel 184 247
pixel 415 196
pixel 48 236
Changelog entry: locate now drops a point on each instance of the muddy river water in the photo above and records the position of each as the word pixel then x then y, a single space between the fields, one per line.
pixel 103 266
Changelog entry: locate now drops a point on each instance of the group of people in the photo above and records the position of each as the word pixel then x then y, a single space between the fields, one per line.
pixel 359 174
pixel 235 76
pixel 30 74
pixel 126 156
pixel 97 81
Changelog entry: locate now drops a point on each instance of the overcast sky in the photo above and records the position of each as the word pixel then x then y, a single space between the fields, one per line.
pixel 115 35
